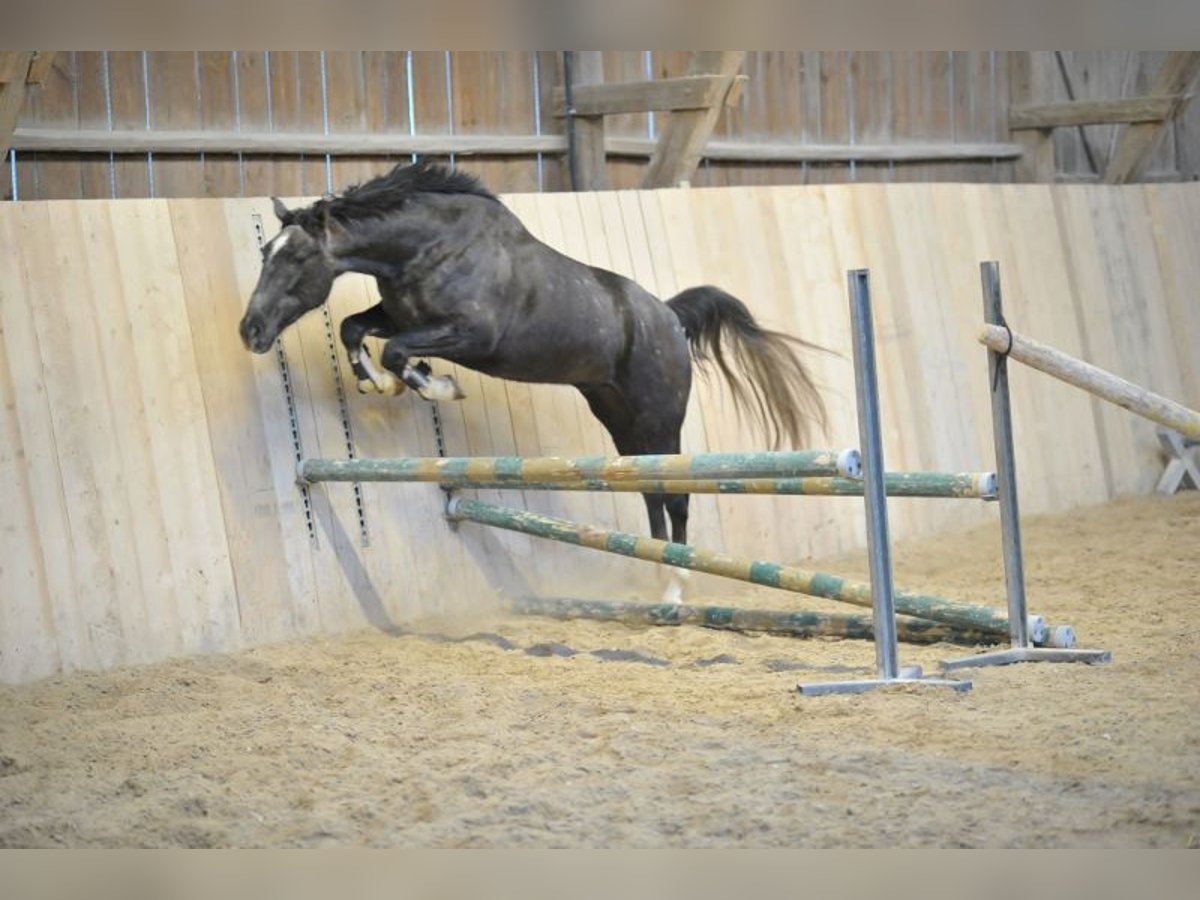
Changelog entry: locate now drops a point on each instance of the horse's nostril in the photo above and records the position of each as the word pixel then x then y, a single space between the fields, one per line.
pixel 251 332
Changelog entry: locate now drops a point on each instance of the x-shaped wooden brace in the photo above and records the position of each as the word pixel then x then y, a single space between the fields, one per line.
pixel 1183 461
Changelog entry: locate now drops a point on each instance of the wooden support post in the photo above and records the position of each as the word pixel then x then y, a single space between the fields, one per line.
pixel 1138 141
pixel 589 167
pixel 682 141
pixel 12 96
pixel 1026 85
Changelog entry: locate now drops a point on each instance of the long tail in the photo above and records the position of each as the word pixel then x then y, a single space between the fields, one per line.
pixel 776 390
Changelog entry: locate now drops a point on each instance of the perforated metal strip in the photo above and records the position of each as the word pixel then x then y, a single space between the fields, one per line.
pixel 289 397
pixel 347 433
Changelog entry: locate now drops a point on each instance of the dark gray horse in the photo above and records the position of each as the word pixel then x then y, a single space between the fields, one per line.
pixel 461 279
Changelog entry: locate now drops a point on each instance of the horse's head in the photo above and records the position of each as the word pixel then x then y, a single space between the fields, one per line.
pixel 297 275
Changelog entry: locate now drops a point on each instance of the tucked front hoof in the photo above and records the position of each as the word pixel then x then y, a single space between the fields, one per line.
pixel 390 386
pixel 444 387
pixel 366 386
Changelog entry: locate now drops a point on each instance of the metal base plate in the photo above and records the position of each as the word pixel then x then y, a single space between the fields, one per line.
pixel 1028 654
pixel 817 688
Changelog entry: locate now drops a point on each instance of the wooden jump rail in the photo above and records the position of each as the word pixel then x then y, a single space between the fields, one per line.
pixel 1093 379
pixel 514 471
pixel 962 485
pixel 769 574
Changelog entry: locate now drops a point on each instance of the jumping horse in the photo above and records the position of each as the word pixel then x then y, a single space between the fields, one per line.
pixel 461 279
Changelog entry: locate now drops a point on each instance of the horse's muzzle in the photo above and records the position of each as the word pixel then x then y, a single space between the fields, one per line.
pixel 254 335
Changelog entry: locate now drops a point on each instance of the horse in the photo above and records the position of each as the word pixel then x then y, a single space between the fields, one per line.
pixel 461 279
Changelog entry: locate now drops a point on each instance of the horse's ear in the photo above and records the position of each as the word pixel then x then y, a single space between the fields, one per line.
pixel 281 212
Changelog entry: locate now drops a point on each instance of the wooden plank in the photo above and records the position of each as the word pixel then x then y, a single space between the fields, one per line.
pixel 1090 112
pixel 237 436
pixel 664 94
pixel 932 357
pixel 15 65
pixel 590 169
pixel 125 94
pixel 54 102
pixel 173 97
pixel 32 509
pixel 40 68
pixel 180 449
pixel 97 173
pixel 682 140
pixel 219 107
pixel 62 306
pixel 1037 274
pixel 12 98
pixel 1027 87
pixel 821 245
pixel 1179 71
pixel 1175 216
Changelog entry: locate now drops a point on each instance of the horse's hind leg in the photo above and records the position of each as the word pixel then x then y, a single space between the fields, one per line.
pixel 373 322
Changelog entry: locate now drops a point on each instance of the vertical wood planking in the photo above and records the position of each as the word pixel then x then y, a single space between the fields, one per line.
pixel 61 306
pixel 1175 225
pixel 166 365
pixel 53 102
pixel 32 511
pixel 241 449
pixel 1075 208
pixel 298 611
pixel 173 91
pixel 818 231
pixel 218 84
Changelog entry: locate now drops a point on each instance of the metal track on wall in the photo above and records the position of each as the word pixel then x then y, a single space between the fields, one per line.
pixel 289 396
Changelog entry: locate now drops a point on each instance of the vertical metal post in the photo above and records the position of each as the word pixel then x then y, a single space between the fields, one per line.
pixel 875 498
pixel 1006 471
pixel 1024 630
pixel 870 435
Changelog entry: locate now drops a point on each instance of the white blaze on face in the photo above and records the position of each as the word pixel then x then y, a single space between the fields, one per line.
pixel 277 244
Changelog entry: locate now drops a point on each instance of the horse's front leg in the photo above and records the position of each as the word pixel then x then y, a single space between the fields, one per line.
pixel 435 340
pixel 373 322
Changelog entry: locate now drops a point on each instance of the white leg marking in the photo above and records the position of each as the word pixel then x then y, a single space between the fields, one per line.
pixel 675 587
pixel 384 382
pixel 442 387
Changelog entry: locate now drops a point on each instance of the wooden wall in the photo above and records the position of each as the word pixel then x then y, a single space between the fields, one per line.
pixel 147 504
pixel 816 97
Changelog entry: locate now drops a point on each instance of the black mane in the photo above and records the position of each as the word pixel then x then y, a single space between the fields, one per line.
pixel 389 191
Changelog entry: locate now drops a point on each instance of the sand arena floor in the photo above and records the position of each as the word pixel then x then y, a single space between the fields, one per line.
pixel 418 741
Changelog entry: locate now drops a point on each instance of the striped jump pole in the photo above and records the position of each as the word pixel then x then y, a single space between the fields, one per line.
pixel 769 574
pixel 958 485
pixel 514 471
pixel 794 623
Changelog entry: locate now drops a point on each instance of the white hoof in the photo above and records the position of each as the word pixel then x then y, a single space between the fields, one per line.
pixel 366 386
pixel 443 387
pixel 389 385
